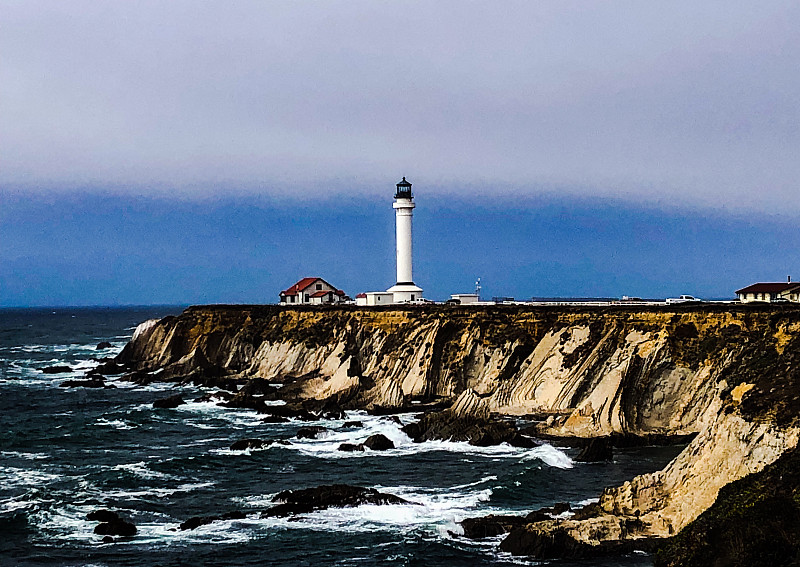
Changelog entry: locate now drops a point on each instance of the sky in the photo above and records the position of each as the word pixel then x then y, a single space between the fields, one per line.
pixel 185 152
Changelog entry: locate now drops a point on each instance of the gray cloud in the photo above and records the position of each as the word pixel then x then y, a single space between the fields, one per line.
pixel 675 102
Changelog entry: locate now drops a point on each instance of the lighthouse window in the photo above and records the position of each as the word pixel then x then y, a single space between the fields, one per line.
pixel 319 286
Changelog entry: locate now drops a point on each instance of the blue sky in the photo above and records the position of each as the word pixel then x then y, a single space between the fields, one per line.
pixel 185 152
pixel 106 250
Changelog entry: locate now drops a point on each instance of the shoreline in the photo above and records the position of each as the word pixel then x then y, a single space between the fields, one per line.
pixel 683 372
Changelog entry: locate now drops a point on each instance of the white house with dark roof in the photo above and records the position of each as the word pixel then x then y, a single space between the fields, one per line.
pixel 312 291
pixel 770 291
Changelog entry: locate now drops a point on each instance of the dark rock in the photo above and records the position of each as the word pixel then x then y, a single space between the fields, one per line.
pixel 378 442
pixel 211 381
pixel 350 447
pixel 524 442
pixel 310 432
pixel 556 543
pixel 259 387
pixel 274 419
pixel 197 521
pixel 560 507
pixel 103 345
pixel 108 539
pixel 138 377
pixel 107 368
pixel 289 411
pixel 243 400
pixel 596 450
pixel 324 409
pixel 447 426
pixel 543 514
pixel 214 396
pixel 353 424
pixel 102 516
pixel 97 382
pixel 589 511
pixel 58 369
pixel 328 496
pixel 117 527
pixel 169 403
pixel 244 444
pixel 490 526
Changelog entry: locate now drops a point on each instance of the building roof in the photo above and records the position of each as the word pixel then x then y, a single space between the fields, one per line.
pixel 768 287
pixel 306 283
pixel 361 295
pixel 300 286
pixel 321 293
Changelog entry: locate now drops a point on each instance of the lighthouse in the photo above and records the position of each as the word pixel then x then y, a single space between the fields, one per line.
pixel 404 290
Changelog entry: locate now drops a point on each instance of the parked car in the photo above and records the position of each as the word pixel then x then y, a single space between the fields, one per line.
pixel 682 299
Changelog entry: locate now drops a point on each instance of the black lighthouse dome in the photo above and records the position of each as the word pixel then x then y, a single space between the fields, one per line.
pixel 403 190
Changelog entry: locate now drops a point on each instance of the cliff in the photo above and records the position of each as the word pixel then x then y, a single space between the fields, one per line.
pixel 726 374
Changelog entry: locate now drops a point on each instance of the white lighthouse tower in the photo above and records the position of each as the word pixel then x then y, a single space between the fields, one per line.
pixel 404 289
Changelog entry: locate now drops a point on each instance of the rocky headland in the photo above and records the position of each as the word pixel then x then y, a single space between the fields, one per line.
pixel 723 376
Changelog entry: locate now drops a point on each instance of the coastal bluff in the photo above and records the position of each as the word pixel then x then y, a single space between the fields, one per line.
pixel 725 374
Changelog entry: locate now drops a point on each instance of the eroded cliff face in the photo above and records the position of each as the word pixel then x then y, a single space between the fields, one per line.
pixel 725 373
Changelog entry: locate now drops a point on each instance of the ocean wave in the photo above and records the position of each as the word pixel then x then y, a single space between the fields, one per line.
pixel 160 492
pixel 436 511
pixel 141 470
pixel 19 455
pixel 14 477
pixel 115 423
pixel 326 446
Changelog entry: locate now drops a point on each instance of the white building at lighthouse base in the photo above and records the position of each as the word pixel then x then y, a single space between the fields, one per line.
pixel 405 293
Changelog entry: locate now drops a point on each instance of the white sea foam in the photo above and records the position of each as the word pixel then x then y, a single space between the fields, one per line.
pixel 238 417
pixel 139 494
pixel 31 456
pixel 115 423
pixel 327 444
pixel 436 511
pixel 140 469
pixel 11 477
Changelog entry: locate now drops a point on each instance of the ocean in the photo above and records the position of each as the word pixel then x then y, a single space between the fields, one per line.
pixel 65 452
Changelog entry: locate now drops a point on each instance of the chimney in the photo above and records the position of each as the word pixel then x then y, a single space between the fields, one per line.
pixel 788 279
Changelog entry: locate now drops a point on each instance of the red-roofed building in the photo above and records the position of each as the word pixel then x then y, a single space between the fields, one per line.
pixel 312 291
pixel 770 291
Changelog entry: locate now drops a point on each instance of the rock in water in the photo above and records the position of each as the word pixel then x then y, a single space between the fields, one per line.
pixel 117 527
pixel 93 382
pixel 448 426
pixel 350 447
pixel 244 444
pixel 490 526
pixel 104 345
pixel 327 496
pixel 169 403
pixel 311 432
pixel 598 449
pixel 106 368
pixel 197 521
pixel 59 369
pixel 102 516
pixel 378 442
